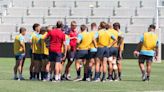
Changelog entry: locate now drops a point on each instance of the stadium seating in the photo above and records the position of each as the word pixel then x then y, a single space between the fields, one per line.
pixel 100 12
pixel 59 12
pixel 134 15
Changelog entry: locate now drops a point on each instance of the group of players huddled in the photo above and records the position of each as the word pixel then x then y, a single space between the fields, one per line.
pixel 98 50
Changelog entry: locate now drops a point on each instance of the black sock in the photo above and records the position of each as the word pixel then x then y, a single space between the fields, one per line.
pixel 85 75
pixel 119 74
pixel 99 74
pixel 30 75
pixel 37 75
pixel 45 75
pixel 110 76
pixel 42 75
pixel 78 72
pixel 34 75
pixel 96 75
pixel 104 75
pixel 89 74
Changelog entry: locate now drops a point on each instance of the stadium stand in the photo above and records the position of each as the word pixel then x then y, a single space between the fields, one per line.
pixel 134 15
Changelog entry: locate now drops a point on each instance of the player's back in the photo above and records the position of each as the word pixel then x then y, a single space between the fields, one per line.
pixel 86 41
pixel 149 41
pixel 57 38
pixel 17 47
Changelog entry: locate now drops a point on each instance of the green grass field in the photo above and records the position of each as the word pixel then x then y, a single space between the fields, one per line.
pixel 131 80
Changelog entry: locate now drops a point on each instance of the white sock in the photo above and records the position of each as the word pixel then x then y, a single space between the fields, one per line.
pixel 59 76
pixel 56 77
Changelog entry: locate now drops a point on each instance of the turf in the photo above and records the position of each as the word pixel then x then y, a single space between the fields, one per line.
pixel 131 80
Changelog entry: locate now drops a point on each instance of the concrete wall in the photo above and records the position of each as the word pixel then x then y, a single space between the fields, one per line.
pixel 6 50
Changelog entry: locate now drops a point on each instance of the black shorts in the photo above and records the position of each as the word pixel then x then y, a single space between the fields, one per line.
pixel 45 57
pixel 143 58
pixel 20 57
pixel 37 57
pixel 55 57
pixel 92 55
pixel 112 51
pixel 71 55
pixel 30 53
pixel 81 54
pixel 102 52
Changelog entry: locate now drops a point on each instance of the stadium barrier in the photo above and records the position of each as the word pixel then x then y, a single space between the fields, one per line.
pixel 7 50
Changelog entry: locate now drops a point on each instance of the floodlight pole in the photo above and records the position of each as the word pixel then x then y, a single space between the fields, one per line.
pixel 159 31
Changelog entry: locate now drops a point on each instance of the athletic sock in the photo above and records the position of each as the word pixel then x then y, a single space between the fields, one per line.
pixel 110 76
pixel 119 74
pixel 56 77
pixel 85 75
pixel 104 75
pixel 30 75
pixel 42 75
pixel 37 75
pixel 45 75
pixel 89 74
pixel 20 75
pixel 15 76
pixel 59 77
pixel 96 75
pixel 50 75
pixel 99 74
pixel 78 72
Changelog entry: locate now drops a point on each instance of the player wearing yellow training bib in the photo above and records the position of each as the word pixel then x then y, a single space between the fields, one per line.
pixel 36 28
pixel 113 53
pixel 84 41
pixel 37 55
pixel 19 52
pixel 103 41
pixel 92 51
pixel 45 53
pixel 146 50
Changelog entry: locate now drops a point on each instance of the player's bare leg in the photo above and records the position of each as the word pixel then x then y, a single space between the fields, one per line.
pixel 52 70
pixel 97 69
pixel 119 65
pixel 57 71
pixel 78 70
pixel 15 69
pixel 85 64
pixel 110 68
pixel 142 69
pixel 37 68
pixel 148 69
pixel 104 65
pixel 90 68
pixel 115 68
